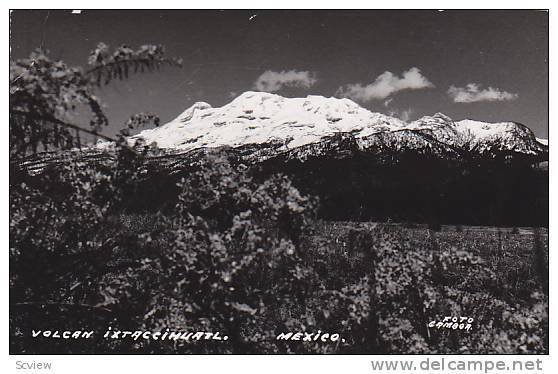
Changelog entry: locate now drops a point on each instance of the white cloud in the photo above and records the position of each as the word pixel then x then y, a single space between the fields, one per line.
pixel 272 81
pixel 385 85
pixel 473 93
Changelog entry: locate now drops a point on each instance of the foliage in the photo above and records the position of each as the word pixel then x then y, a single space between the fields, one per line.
pixel 47 95
pixel 222 262
pixel 42 95
pixel 241 258
pixel 423 276
pixel 107 66
pixel 235 255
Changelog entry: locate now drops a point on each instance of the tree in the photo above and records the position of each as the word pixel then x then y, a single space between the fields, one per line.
pixel 46 94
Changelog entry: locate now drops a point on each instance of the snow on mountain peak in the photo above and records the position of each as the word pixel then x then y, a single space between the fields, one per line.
pixel 436 120
pixel 260 117
pixel 543 141
pixel 484 130
pixel 508 135
pixel 188 114
pixel 442 116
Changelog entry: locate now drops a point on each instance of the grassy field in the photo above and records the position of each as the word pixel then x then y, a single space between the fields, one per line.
pixel 519 256
pixel 498 276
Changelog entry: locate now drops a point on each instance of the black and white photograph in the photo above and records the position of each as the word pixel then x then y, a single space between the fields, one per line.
pixel 278 182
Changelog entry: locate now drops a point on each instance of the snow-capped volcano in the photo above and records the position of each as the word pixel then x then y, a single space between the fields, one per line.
pixel 258 117
pixel 289 123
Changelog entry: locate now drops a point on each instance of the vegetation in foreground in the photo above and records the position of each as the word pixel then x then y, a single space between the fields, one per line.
pixel 251 261
pixel 243 257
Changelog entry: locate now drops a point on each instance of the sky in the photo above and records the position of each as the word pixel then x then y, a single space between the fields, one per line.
pixel 483 65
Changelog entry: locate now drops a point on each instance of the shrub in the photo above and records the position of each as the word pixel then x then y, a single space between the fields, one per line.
pixel 227 260
pixel 238 257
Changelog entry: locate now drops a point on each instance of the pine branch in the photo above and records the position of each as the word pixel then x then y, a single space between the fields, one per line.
pixel 143 60
pixel 119 68
pixel 57 121
pixel 62 123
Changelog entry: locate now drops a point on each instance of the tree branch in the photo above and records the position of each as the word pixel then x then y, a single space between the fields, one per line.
pixel 72 126
pixel 134 60
pixel 62 123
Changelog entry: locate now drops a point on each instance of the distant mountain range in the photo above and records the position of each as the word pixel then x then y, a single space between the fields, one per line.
pixel 265 125
pixel 360 164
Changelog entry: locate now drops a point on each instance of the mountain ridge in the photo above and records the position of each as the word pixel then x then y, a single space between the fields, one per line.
pixel 262 118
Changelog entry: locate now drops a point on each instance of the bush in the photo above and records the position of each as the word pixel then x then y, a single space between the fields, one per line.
pixel 227 260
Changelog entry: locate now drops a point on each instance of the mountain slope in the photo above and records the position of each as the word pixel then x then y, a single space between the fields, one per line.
pixel 285 124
